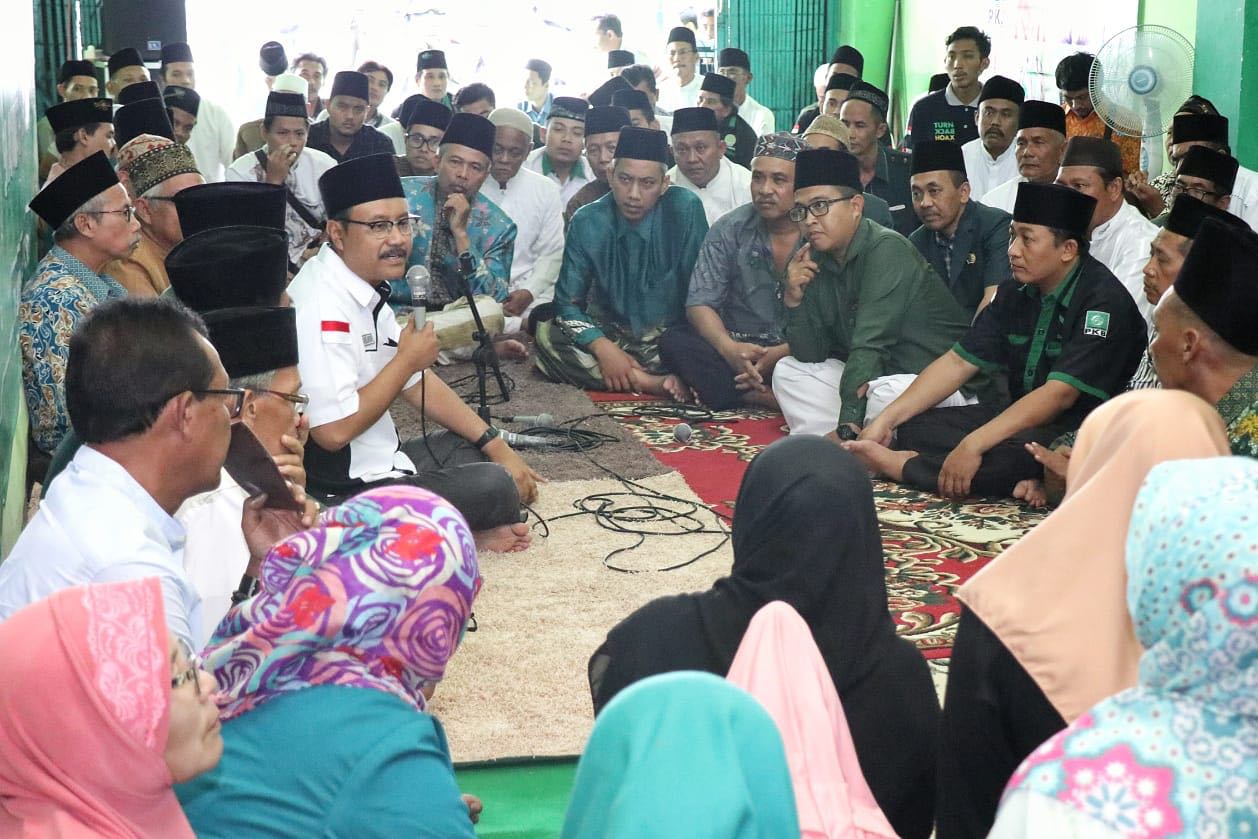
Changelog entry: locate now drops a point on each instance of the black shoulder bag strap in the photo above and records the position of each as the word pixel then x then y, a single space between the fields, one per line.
pixel 298 207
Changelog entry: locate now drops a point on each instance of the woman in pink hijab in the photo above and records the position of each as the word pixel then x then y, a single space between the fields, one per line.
pixel 103 711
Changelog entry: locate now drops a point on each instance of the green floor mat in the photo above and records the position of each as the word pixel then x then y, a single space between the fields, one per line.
pixel 524 798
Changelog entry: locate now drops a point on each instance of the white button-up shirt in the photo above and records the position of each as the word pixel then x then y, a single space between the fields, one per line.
pixel 1244 203
pixel 674 96
pixel 579 176
pixel 986 172
pixel 212 141
pixel 98 525
pixel 302 182
pixel 1003 196
pixel 729 189
pixel 533 202
pixel 345 336
pixel 216 555
pixel 759 117
pixel 1122 246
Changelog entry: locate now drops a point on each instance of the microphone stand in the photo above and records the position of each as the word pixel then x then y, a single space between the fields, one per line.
pixel 484 356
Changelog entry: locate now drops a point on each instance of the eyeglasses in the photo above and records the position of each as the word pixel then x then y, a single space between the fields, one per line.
pixel 1179 187
pixel 381 228
pixel 419 141
pixel 126 212
pixel 818 208
pixel 299 401
pixel 192 674
pixel 234 404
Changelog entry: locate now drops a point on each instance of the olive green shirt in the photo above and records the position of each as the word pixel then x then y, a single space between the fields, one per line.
pixel 883 310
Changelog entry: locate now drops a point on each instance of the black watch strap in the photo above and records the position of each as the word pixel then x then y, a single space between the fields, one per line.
pixel 484 439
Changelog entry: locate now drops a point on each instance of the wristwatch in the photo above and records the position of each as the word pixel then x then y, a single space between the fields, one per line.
pixel 484 439
pixel 846 432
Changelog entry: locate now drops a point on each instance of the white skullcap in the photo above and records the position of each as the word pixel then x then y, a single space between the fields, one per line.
pixel 512 118
pixel 289 83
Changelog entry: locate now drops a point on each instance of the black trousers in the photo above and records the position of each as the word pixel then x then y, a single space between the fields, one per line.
pixel 994 715
pixel 688 354
pixel 484 492
pixel 935 433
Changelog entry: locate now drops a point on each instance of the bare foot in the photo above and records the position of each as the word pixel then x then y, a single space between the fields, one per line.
pixel 670 386
pixel 880 460
pixel 508 538
pixel 511 349
pixel 1032 492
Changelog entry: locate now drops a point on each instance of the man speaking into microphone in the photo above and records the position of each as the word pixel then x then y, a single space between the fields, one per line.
pixel 356 360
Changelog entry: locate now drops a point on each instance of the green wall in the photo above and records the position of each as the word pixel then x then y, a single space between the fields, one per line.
pixel 1227 35
pixel 17 249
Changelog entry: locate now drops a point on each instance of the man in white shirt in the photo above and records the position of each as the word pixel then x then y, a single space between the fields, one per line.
pixel 286 161
pixel 148 396
pixel 702 166
pixel 1038 147
pixel 991 159
pixel 560 159
pixel 681 90
pixel 1120 234
pixel 214 137
pixel 533 203
pixel 379 83
pixel 355 361
pixel 735 65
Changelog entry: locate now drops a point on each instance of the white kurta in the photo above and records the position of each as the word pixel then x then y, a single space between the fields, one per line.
pixel 302 181
pixel 1122 246
pixel 577 178
pixel 532 201
pixel 759 117
pixel 729 189
pixel 213 140
pixel 96 524
pixel 985 172
pixel 1003 196
pixel 674 96
pixel 216 555
pixel 1245 197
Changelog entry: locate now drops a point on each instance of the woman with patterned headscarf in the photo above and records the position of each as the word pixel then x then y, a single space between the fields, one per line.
pixel 325 677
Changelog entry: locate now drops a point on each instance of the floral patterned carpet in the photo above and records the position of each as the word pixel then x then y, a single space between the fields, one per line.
pixel 932 546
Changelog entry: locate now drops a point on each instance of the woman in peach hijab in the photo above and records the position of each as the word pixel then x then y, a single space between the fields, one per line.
pixel 1046 634
pixel 103 711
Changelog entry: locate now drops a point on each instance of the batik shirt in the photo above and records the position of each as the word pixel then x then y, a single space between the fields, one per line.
pixel 491 243
pixel 1239 409
pixel 54 301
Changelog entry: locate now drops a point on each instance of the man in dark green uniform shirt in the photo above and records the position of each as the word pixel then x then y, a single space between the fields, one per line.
pixel 883 171
pixel 863 310
pixel 717 94
pixel 1065 330
pixel 963 240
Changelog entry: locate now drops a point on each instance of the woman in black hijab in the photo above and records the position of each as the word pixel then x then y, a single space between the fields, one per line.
pixel 805 532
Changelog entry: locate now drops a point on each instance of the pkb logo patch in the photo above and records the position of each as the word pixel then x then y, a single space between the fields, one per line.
pixel 1096 323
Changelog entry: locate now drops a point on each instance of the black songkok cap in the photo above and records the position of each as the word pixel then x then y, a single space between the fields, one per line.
pixel 176 51
pixel 603 95
pixel 1215 166
pixel 281 104
pixel 471 130
pixel 841 81
pixel 254 340
pixel 827 167
pixel 937 82
pixel 183 98
pixel 619 58
pixel 70 69
pixel 126 57
pixel 633 100
pixel 349 83
pixel 369 178
pixel 73 188
pixel 694 119
pixel 605 120
pixel 642 144
pixel 148 116
pixel 569 107
pixel 1002 87
pixel 230 204
pixel 718 84
pixel 1206 128
pixel 1217 282
pixel 1056 206
pixel 431 60
pixel 227 267
pixel 937 156
pixel 79 112
pixel 420 110
pixel 850 56
pixel 680 34
pixel 1036 113
pixel 733 57
pixel 1094 151
pixel 865 92
pixel 138 92
pixel 1188 214
pixel 272 59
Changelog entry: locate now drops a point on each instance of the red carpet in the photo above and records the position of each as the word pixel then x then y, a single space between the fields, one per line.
pixel 932 546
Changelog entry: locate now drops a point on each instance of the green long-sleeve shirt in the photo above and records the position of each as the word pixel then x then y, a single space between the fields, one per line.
pixel 882 311
pixel 635 276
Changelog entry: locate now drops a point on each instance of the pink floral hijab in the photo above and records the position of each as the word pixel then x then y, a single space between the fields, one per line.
pixel 85 703
pixel 376 595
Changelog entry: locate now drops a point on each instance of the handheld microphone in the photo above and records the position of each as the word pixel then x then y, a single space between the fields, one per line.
pixel 542 419
pixel 682 432
pixel 418 278
pixel 526 441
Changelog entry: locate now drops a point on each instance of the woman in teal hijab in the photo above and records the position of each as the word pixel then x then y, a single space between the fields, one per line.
pixel 683 754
